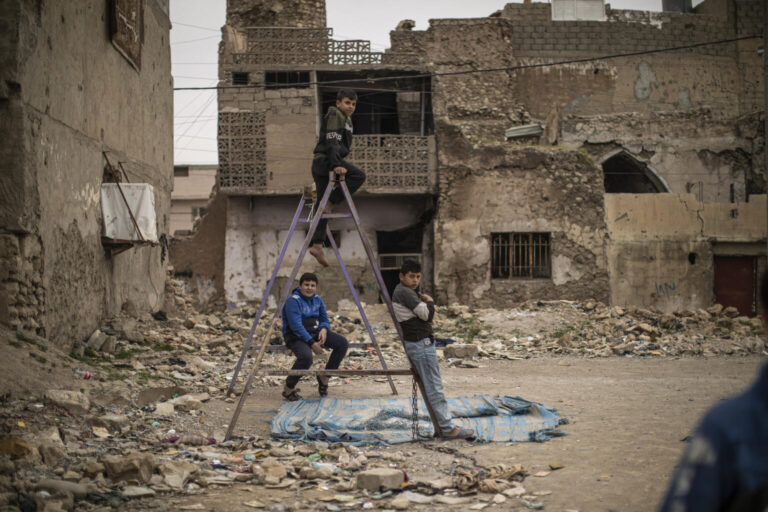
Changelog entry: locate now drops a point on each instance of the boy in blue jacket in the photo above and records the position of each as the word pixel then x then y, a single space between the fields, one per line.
pixel 332 147
pixel 306 330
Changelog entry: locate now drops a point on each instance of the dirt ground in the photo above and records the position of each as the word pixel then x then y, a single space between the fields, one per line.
pixel 628 418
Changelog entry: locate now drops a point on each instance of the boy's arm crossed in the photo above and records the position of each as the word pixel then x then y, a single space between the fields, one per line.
pixel 409 299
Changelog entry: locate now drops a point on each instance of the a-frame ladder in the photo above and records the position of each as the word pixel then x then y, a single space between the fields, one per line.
pixel 313 223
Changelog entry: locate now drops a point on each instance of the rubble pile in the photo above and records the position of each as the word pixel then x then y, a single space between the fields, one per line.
pixel 593 329
pixel 129 422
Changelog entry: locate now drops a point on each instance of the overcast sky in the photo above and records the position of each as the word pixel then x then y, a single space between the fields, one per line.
pixel 197 30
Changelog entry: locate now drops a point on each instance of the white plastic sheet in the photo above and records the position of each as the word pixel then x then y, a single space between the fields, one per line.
pixel 117 220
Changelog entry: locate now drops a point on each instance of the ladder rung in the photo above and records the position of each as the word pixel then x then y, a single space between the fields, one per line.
pixel 330 216
pixel 276 348
pixel 340 373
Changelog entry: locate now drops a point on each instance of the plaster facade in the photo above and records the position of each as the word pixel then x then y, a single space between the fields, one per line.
pixel 67 95
pixel 661 246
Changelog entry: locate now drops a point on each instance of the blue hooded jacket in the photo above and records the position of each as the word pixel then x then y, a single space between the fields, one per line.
pixel 303 317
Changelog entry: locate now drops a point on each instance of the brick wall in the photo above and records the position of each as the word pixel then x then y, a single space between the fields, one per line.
pixel 625 31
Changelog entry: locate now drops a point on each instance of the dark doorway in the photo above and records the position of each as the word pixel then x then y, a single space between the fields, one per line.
pixel 735 282
pixel 623 174
pixel 396 247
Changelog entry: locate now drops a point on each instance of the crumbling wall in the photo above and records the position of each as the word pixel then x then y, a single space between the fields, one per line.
pixel 500 189
pixel 276 13
pixel 673 110
pixel 201 255
pixel 669 265
pixel 71 95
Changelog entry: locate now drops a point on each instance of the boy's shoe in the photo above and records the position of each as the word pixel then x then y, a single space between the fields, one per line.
pixel 317 251
pixel 292 395
pixel 461 433
pixel 322 389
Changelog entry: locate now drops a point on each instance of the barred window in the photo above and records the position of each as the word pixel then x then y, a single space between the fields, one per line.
pixel 524 255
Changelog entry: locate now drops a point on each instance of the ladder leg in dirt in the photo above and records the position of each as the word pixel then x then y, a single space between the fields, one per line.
pixel 360 308
pixel 247 346
pixel 286 291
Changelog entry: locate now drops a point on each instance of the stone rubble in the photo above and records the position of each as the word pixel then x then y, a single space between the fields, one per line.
pixel 140 434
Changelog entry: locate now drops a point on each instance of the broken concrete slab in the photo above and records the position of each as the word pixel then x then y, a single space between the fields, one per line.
pixel 461 351
pixel 136 466
pixel 73 401
pixel 51 485
pixel 176 473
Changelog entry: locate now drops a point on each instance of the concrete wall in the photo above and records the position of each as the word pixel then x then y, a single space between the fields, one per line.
pixel 520 190
pixel 257 228
pixel 68 95
pixel 661 246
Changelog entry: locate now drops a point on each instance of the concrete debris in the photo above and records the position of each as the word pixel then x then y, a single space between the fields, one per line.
pixel 139 428
pixel 135 466
pixel 379 478
pixel 73 401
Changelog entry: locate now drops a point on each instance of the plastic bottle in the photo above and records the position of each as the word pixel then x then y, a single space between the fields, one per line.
pixel 83 374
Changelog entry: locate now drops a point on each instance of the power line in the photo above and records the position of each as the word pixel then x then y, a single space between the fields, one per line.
pixel 489 70
pixel 195 26
pixel 193 40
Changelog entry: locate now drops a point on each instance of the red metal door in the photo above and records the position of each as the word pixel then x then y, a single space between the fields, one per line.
pixel 735 282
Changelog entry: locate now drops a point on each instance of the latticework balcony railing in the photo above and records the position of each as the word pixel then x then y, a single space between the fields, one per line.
pixel 308 46
pixel 401 164
pixel 396 163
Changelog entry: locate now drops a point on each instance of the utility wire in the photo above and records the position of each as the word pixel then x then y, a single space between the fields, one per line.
pixel 490 70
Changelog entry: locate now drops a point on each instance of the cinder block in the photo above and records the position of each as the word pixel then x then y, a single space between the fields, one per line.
pixel 461 351
pixel 379 478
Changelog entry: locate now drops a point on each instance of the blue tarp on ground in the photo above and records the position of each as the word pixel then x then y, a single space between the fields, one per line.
pixel 388 420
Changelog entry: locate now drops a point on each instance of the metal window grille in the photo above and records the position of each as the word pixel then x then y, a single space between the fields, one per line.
pixel 520 255
pixel 395 261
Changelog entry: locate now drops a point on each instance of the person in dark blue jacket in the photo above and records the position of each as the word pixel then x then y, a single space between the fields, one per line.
pixel 725 466
pixel 306 330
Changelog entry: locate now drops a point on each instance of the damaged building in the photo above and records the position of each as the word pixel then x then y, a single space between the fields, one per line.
pixel 637 179
pixel 85 89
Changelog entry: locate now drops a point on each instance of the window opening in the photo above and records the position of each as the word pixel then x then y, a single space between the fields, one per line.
pixel 197 212
pixel 520 255
pixel 626 175
pixel 286 80
pixel 239 78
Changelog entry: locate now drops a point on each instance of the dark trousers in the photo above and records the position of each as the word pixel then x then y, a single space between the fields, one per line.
pixel 322 173
pixel 336 342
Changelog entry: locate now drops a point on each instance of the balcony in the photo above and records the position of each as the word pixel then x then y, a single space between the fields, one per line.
pixel 281 46
pixel 394 164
